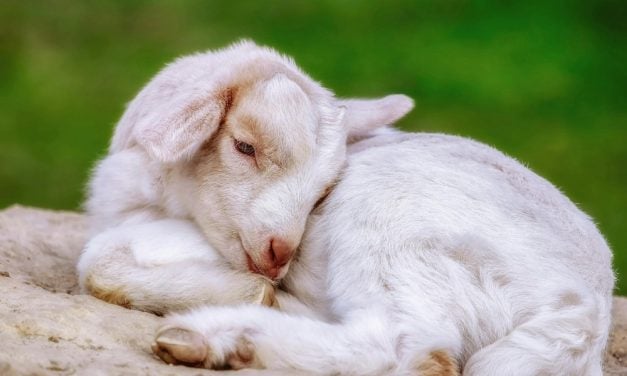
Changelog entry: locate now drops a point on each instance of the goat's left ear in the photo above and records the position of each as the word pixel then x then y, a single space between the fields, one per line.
pixel 365 115
pixel 175 129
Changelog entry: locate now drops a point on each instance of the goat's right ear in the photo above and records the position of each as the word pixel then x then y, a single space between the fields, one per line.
pixel 365 115
pixel 175 130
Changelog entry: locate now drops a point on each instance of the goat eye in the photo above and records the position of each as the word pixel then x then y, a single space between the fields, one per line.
pixel 245 148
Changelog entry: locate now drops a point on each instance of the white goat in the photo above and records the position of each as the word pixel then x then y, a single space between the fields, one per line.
pixel 212 172
pixel 431 250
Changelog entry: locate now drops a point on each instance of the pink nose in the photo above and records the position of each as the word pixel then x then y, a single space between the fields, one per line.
pixel 278 254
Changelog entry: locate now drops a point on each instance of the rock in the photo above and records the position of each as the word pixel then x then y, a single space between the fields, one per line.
pixel 48 328
pixel 616 355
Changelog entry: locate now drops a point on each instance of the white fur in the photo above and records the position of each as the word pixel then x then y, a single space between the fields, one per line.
pixel 434 242
pixel 428 242
pixel 176 209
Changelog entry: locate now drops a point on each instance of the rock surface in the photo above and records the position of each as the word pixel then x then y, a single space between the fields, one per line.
pixel 48 328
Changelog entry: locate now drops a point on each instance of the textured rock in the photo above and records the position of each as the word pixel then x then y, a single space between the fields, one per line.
pixel 616 355
pixel 47 328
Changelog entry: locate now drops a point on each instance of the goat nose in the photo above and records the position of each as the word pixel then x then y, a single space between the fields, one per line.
pixel 277 255
pixel 280 252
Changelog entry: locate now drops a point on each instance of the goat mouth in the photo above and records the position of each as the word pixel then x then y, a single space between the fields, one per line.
pixel 271 274
pixel 252 267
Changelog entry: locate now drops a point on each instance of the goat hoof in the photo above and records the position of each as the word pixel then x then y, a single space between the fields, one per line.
pixel 180 346
pixel 267 296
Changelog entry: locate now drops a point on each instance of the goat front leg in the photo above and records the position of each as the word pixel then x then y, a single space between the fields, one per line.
pixel 163 266
pixel 261 338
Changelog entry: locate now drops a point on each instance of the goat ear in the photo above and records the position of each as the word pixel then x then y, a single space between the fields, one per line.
pixel 177 129
pixel 365 115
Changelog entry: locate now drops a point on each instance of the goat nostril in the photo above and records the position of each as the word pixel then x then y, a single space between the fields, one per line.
pixel 280 251
pixel 272 253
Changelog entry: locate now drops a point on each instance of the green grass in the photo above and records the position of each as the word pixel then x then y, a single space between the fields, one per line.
pixel 543 81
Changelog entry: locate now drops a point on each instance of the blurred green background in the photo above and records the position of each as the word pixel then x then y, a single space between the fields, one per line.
pixel 543 81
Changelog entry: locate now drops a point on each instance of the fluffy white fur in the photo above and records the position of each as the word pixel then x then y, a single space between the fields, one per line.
pixel 179 215
pixel 431 242
pixel 427 243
